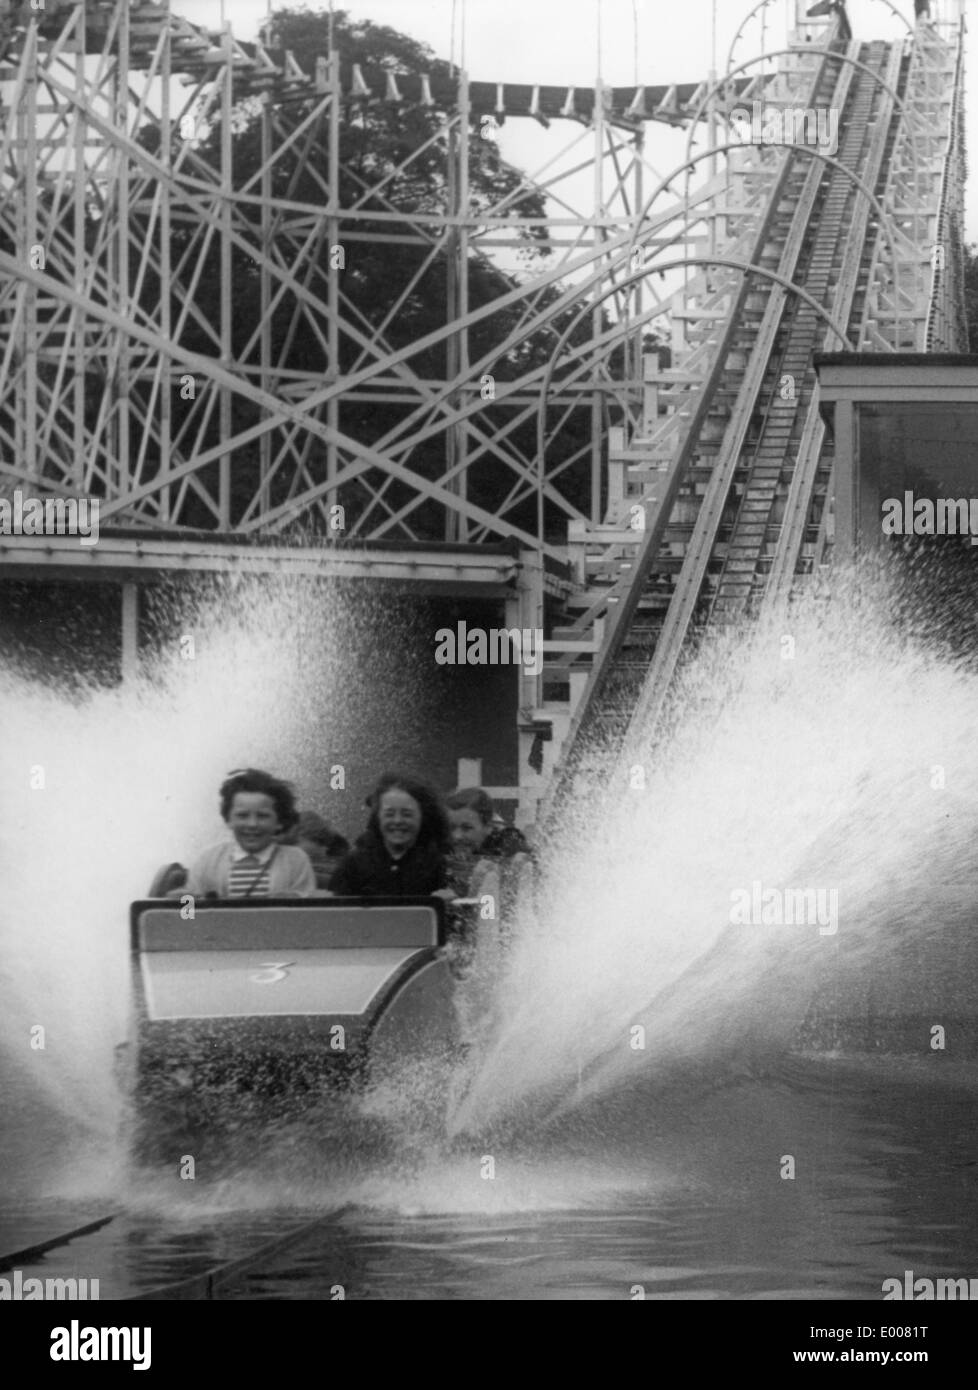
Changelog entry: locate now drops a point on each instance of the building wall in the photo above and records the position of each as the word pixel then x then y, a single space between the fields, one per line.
pixel 351 668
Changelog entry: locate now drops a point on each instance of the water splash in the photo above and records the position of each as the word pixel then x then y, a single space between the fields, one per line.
pixel 811 763
pixel 832 749
pixel 102 784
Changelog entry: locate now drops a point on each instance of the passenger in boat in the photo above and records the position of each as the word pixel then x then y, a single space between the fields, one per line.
pixel 478 829
pixel 491 860
pixel 257 807
pixel 483 841
pixel 324 845
pixel 404 850
pixel 168 881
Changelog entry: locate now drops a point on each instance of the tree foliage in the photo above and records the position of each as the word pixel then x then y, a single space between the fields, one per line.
pixel 394 158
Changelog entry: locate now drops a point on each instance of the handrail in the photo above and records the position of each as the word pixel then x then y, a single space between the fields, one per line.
pixel 629 593
pixel 652 697
pixel 953 145
pixel 792 531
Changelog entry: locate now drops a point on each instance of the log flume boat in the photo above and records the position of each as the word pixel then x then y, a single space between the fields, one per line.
pixel 244 1005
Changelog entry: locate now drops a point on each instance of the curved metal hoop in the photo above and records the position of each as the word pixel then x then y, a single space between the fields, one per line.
pixel 747 267
pixel 807 149
pixel 763 3
pixel 720 83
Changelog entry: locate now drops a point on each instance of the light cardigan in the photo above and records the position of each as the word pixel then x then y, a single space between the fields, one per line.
pixel 290 873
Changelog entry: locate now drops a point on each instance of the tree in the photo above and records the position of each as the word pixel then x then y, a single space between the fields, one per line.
pixel 392 157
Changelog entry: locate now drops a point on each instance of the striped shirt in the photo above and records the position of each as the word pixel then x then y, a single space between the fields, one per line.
pixel 290 874
pixel 248 874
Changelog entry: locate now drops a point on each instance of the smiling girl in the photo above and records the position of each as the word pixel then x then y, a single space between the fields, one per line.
pixel 251 864
pixel 403 851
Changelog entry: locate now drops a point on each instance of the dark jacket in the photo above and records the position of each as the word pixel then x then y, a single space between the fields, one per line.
pixel 502 842
pixel 368 871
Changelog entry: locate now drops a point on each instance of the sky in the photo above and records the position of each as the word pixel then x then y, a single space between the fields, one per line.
pixel 557 41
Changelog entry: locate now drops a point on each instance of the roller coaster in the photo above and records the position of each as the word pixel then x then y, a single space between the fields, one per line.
pixel 708 469
pixel 128 234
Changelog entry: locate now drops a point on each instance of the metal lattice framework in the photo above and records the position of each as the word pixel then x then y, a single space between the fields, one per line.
pixel 182 335
pixel 124 379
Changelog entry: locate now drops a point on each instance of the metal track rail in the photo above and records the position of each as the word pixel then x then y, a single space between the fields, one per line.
pixel 948 320
pixel 210 1283
pixel 30 1254
pixel 829 271
pixel 207 1284
pixel 621 669
pixel 797 508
